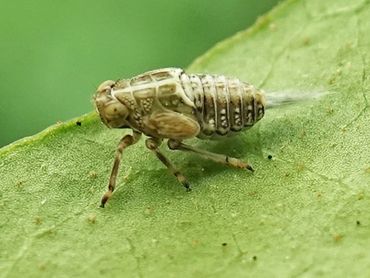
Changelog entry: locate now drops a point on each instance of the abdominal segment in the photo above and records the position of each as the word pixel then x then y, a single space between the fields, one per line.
pixel 223 105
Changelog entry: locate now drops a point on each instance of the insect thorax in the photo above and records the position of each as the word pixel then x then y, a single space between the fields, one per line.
pixel 151 93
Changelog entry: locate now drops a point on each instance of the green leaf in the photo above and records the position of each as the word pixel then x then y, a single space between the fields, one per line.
pixel 305 211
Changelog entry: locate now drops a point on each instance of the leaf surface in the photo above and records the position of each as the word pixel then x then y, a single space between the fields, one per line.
pixel 305 211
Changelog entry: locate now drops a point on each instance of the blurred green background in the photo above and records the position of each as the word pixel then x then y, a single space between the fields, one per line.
pixel 54 53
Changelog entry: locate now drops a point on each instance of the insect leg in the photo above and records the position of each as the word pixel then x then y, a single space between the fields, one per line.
pixel 126 141
pixel 153 145
pixel 220 158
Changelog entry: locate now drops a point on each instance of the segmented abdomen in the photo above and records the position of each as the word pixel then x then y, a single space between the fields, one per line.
pixel 223 104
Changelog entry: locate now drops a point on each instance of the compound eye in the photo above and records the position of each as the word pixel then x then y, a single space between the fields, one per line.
pixel 106 86
pixel 116 110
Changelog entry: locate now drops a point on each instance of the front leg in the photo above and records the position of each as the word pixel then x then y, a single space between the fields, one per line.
pixel 126 141
pixel 153 145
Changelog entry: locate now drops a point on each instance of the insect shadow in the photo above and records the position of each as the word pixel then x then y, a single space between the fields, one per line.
pixel 247 146
pixel 241 146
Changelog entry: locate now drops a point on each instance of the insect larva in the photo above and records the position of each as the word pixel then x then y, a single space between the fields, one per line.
pixel 171 104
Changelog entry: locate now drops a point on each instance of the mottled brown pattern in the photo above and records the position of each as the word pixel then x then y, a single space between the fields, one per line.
pixel 218 104
pixel 170 104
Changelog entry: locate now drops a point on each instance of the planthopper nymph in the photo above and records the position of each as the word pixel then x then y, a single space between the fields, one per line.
pixel 173 105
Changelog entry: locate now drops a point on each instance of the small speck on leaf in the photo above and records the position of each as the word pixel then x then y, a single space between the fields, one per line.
pixel 337 237
pixel 41 266
pixel 269 156
pixel 252 193
pixel 19 184
pixel 360 196
pixel 91 218
pixel 272 27
pixel 195 242
pixel 148 211
pixel 224 244
pixel 93 174
pixel 37 220
pixel 78 123
pixel 306 41
pixel 300 166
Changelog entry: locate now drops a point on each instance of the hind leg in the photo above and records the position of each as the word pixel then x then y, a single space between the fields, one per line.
pixel 219 158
